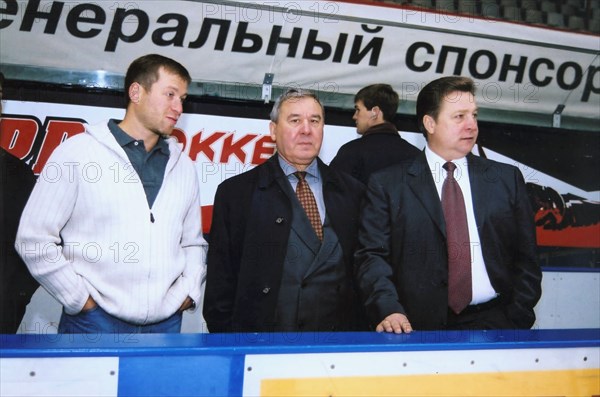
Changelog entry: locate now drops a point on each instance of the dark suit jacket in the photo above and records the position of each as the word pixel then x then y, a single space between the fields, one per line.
pixel 402 258
pixel 248 243
pixel 16 283
pixel 381 146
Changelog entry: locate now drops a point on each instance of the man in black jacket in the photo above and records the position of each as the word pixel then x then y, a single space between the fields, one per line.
pixel 16 284
pixel 381 145
pixel 276 264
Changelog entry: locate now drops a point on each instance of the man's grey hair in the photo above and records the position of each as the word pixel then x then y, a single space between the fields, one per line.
pixel 291 94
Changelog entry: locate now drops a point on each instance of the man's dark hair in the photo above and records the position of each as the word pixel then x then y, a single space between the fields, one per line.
pixel 144 71
pixel 382 95
pixel 1 80
pixel 431 96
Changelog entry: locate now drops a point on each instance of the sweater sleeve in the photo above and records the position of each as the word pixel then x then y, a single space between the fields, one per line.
pixel 194 246
pixel 38 240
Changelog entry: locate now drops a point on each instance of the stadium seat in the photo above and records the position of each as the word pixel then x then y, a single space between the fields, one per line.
pixel 529 5
pixel 555 19
pixel 548 6
pixel 445 5
pixel 511 13
pixel 467 7
pixel 575 22
pixel 534 16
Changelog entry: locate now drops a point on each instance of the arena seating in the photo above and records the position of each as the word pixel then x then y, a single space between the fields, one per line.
pixel 575 15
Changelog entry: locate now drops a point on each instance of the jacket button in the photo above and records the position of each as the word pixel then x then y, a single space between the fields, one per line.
pixel 279 220
pixel 266 290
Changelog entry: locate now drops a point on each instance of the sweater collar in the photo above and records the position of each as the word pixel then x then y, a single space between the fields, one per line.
pixel 383 128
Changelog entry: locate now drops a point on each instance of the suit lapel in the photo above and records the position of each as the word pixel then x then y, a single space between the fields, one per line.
pixel 299 224
pixel 302 227
pixel 336 207
pixel 325 251
pixel 421 183
pixel 480 195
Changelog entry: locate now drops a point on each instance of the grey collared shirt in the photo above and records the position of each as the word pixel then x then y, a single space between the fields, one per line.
pixel 313 177
pixel 149 166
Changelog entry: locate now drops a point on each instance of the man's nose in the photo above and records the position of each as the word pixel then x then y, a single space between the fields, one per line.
pixel 178 106
pixel 305 127
pixel 472 122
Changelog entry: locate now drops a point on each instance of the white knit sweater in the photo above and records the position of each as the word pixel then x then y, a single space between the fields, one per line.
pixel 87 230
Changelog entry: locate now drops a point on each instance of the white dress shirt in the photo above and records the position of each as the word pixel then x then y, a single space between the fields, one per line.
pixel 482 287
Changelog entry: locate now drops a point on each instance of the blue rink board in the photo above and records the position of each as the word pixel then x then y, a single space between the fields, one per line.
pixel 213 364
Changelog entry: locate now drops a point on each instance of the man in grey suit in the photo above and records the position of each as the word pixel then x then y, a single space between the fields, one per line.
pixel 274 265
pixel 407 249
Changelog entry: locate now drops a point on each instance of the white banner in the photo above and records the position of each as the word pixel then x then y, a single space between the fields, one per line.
pixel 331 47
pixel 221 147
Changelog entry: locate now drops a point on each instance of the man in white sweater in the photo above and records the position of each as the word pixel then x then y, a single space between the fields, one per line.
pixel 112 229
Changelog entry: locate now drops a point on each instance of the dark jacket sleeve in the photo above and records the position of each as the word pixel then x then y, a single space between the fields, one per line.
pixel 221 277
pixel 16 283
pixel 372 259
pixel 526 273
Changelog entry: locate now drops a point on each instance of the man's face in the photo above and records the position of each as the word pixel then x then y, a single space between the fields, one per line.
pixel 454 133
pixel 159 108
pixel 362 116
pixel 298 132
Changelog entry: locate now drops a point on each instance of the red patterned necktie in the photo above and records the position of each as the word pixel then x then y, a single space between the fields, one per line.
pixel 307 199
pixel 459 247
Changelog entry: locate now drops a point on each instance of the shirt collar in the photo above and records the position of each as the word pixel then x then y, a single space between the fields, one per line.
pixel 124 139
pixel 288 169
pixel 121 136
pixel 436 162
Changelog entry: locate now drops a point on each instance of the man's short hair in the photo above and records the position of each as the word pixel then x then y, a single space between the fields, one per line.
pixel 1 80
pixel 429 101
pixel 382 95
pixel 291 94
pixel 144 70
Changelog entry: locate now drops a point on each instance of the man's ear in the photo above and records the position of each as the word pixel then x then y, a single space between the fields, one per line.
pixel 272 126
pixel 375 111
pixel 134 92
pixel 429 123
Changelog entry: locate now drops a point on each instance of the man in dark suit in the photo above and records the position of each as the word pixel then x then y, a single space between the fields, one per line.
pixel 381 145
pixel 409 260
pixel 271 265
pixel 16 284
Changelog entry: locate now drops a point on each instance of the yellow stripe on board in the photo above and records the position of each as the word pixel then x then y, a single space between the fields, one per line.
pixel 493 384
